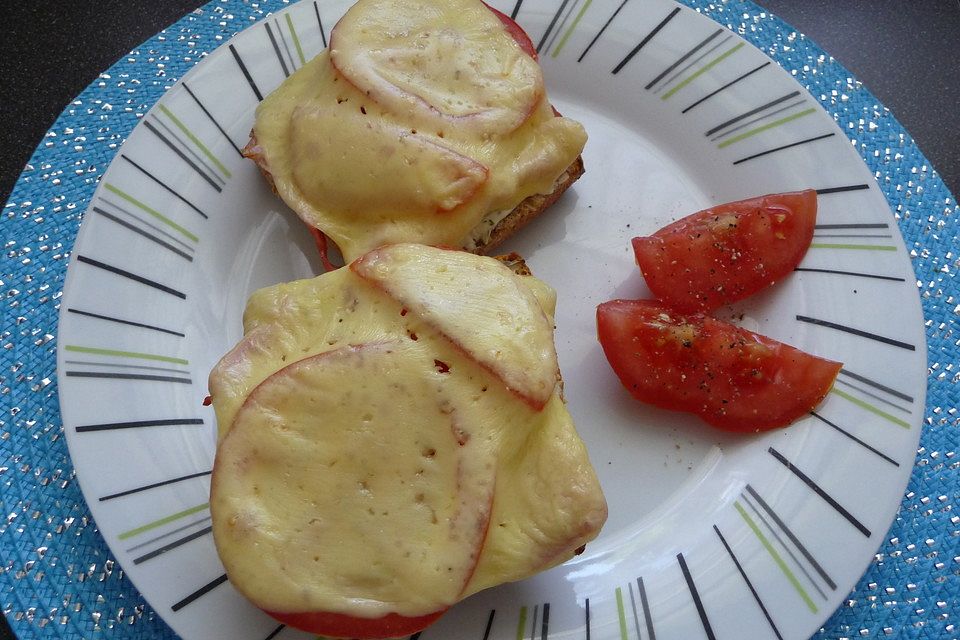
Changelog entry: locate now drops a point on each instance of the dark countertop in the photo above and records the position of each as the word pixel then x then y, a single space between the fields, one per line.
pixel 904 52
pixel 46 60
pixel 891 46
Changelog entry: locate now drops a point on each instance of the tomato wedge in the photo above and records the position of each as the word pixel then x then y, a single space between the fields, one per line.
pixel 734 379
pixel 728 252
pixel 516 31
pixel 338 625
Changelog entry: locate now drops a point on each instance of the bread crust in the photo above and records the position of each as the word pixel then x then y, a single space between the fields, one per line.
pixel 530 208
pixel 516 263
pixel 520 216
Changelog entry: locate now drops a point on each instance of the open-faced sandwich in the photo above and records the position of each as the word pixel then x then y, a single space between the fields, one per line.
pixel 424 121
pixel 393 439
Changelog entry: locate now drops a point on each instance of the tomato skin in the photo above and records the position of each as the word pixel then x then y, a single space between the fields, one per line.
pixel 338 625
pixel 320 239
pixel 732 378
pixel 516 31
pixel 728 252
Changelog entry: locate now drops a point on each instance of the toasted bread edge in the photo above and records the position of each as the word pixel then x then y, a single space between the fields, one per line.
pixel 522 214
pixel 531 207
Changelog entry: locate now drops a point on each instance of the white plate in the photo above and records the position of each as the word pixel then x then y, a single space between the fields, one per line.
pixel 710 534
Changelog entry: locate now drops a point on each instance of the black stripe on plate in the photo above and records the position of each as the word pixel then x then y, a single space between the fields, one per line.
pixel 742 116
pixel 819 491
pixel 115 365
pixel 696 597
pixel 137 230
pixel 136 424
pixel 875 396
pixel 131 276
pixel 781 148
pixel 633 609
pixel 552 24
pixel 776 536
pixel 533 623
pixel 154 485
pixel 563 23
pixel 852 273
pixel 586 616
pixel 854 438
pixel 545 624
pixel 172 545
pixel 126 376
pixel 679 72
pixel 131 323
pixel 275 632
pixel 173 138
pixel 168 534
pixel 850 187
pixel 743 574
pixel 683 58
pixel 323 35
pixel 286 45
pixel 726 86
pixel 276 50
pixel 516 10
pixel 857 332
pixel 199 593
pixel 856 225
pixel 852 235
pixel 876 385
pixel 766 116
pixel 646 608
pixel 486 630
pixel 163 184
pixel 212 119
pixel 647 38
pixel 193 165
pixel 147 224
pixel 246 72
pixel 602 29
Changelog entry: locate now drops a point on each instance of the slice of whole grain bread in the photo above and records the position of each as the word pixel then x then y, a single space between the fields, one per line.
pixel 530 208
pixel 523 213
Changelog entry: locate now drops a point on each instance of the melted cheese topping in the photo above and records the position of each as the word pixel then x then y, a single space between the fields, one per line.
pixel 421 119
pixel 480 305
pixel 447 62
pixel 346 485
pixel 369 465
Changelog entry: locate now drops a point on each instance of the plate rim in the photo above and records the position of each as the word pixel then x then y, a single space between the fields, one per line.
pixel 226 43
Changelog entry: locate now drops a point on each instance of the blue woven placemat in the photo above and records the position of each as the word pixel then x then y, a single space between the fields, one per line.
pixel 58 578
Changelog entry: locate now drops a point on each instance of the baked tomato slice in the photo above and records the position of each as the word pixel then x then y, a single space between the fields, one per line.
pixel 338 625
pixel 728 252
pixel 734 379
pixel 516 31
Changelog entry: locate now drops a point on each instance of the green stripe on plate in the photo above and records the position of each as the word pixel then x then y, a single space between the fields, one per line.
pixel 570 29
pixel 522 623
pixel 162 521
pixel 153 212
pixel 621 615
pixel 871 408
pixel 194 139
pixel 766 127
pixel 861 247
pixel 125 354
pixel 776 557
pixel 726 54
pixel 296 40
